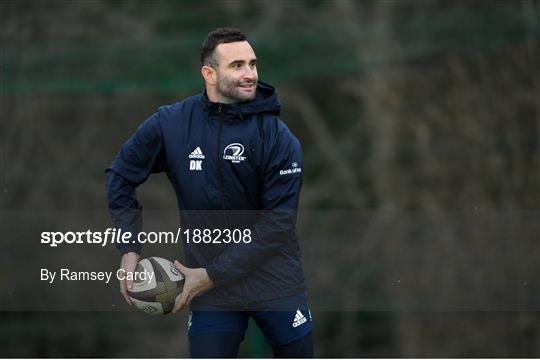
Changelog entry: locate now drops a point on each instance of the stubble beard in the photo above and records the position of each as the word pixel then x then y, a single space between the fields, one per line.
pixel 229 89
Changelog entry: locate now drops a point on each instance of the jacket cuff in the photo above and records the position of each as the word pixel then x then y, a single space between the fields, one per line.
pixel 125 248
pixel 215 275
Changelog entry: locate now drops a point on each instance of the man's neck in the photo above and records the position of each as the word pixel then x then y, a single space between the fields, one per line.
pixel 214 97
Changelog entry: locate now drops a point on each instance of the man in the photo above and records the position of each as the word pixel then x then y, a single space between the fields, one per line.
pixel 233 165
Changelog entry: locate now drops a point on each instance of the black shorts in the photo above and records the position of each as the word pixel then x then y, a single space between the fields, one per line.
pixel 290 321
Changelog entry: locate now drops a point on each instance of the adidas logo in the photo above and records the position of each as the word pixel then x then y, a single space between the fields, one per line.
pixel 196 164
pixel 196 154
pixel 299 319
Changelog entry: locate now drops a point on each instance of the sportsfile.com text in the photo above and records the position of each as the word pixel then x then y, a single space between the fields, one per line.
pixel 118 236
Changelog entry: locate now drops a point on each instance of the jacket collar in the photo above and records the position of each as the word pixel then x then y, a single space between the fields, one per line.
pixel 266 101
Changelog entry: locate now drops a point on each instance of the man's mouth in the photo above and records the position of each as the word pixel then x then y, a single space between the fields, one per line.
pixel 248 86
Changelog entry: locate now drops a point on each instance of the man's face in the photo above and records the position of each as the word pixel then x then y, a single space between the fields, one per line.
pixel 237 71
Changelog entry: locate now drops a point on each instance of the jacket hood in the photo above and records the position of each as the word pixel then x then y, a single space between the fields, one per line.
pixel 266 101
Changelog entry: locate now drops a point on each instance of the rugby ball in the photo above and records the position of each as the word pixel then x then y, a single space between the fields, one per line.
pixel 157 285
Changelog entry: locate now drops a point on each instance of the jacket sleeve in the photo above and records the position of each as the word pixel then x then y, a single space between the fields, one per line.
pixel 141 155
pixel 281 183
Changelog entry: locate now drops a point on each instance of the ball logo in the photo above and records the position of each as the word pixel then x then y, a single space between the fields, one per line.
pixel 173 270
pixel 234 152
pixel 149 309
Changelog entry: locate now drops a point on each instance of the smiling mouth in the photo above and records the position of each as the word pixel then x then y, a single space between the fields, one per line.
pixel 247 86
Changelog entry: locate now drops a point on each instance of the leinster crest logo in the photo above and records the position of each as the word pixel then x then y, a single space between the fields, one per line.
pixel 233 152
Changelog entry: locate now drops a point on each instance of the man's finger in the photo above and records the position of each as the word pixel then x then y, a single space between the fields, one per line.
pixel 183 299
pixel 123 291
pixel 188 300
pixel 180 267
pixel 179 304
pixel 128 299
pixel 129 284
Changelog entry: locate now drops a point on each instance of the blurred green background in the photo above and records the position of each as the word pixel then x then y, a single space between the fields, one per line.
pixel 401 106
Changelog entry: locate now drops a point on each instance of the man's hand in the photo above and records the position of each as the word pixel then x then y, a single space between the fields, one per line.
pixel 196 283
pixel 128 263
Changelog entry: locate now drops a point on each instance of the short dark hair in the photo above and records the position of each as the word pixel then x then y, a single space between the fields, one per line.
pixel 219 36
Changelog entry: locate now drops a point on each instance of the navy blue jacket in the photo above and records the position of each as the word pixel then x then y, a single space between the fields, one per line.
pixel 234 166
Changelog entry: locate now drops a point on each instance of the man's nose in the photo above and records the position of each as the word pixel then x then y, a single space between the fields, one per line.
pixel 250 74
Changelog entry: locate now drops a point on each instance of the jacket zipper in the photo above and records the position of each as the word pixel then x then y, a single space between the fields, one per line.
pixel 219 171
pixel 222 190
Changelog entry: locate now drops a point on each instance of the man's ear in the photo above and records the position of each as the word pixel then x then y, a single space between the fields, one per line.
pixel 209 75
